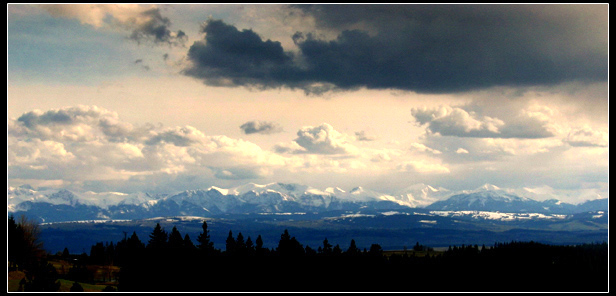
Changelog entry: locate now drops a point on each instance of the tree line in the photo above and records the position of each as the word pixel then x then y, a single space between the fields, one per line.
pixel 169 261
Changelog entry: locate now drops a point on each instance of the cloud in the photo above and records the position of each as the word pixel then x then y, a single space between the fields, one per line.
pixel 454 121
pixel 322 139
pixel 421 48
pixel 145 22
pixel 260 127
pixel 362 136
pixel 80 123
pixel 587 137
pixel 461 151
pixel 88 143
pixel 423 148
pixel 231 57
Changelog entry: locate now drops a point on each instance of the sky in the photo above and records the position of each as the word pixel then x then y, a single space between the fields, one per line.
pixel 164 98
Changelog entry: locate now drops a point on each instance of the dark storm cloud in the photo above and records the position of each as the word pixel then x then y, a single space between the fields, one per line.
pixel 423 48
pixel 260 127
pixel 240 56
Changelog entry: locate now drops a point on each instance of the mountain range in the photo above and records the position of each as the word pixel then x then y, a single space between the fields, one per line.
pixel 53 205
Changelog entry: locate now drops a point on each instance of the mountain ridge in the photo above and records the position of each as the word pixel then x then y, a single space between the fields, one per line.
pixel 53 204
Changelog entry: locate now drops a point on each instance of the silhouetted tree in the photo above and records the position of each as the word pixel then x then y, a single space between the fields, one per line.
pixel 203 240
pixel 240 244
pixel 259 250
pixel 327 247
pixel 230 243
pixel 65 254
pixel 375 250
pixel 134 242
pixel 158 238
pixel 175 239
pixel 188 244
pixel 289 246
pixel 310 251
pixel 353 250
pixel 24 245
pixel 97 254
pixel 337 250
pixel 250 248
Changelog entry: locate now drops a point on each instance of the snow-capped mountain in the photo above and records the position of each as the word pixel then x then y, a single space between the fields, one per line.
pixel 421 195
pixel 492 198
pixel 63 205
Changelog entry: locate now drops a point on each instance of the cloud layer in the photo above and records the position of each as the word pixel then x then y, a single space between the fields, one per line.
pixel 90 143
pixel 422 48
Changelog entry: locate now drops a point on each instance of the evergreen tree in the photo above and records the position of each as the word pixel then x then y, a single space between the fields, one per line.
pixel 376 250
pixel 97 254
pixel 337 250
pixel 289 246
pixel 310 251
pixel 65 254
pixel 240 244
pixel 188 244
pixel 158 238
pixel 175 239
pixel 250 248
pixel 203 240
pixel 134 242
pixel 259 246
pixel 24 245
pixel 353 250
pixel 327 247
pixel 230 243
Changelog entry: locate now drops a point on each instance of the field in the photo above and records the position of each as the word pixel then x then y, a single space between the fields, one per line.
pixel 103 276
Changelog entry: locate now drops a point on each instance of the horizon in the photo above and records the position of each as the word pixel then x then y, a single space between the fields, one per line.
pixel 165 98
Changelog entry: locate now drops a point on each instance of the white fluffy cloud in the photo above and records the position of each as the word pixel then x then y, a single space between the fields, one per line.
pixel 322 139
pixel 455 121
pixel 449 121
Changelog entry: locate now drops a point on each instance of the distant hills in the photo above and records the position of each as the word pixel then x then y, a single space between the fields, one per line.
pixel 52 205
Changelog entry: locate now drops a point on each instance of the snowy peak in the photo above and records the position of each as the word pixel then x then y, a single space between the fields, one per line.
pixel 64 196
pixel 499 201
pixel 421 195
pixel 334 191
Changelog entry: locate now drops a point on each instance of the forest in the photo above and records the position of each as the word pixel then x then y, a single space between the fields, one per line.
pixel 169 262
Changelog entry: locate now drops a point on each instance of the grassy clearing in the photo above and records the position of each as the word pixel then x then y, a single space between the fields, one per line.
pixel 13 280
pixel 65 286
